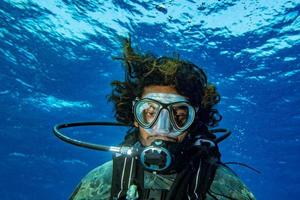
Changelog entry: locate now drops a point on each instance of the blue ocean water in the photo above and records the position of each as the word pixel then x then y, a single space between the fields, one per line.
pixel 56 66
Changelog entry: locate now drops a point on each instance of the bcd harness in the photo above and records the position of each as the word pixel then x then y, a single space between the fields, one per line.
pixel 193 179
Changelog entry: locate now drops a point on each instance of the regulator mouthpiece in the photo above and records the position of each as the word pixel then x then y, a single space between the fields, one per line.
pixel 155 157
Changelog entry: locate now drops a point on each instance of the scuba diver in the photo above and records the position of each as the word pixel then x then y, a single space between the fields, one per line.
pixel 171 150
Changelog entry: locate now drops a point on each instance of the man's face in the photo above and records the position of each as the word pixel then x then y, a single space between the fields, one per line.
pixel 145 138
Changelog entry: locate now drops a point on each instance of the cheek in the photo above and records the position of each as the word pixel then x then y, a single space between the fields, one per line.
pixel 144 137
pixel 182 136
pixel 135 124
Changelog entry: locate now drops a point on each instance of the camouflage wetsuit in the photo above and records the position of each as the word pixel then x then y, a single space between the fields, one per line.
pixel 97 184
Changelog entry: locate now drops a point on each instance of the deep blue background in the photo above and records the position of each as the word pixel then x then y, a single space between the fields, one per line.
pixel 56 66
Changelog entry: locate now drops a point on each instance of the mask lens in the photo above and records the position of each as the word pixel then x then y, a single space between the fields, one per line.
pixel 147 111
pixel 183 114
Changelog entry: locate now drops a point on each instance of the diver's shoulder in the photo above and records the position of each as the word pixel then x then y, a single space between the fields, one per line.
pixel 227 183
pixel 95 185
pixel 102 171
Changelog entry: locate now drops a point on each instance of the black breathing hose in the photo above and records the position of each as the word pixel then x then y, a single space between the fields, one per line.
pixel 57 133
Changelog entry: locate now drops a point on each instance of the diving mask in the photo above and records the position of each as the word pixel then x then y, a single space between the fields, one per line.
pixel 164 114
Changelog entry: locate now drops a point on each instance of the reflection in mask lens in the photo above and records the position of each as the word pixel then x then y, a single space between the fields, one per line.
pixel 148 111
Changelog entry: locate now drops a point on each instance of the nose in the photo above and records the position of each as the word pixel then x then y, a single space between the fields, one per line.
pixel 163 126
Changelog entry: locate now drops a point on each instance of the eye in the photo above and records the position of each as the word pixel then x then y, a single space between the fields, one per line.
pixel 180 110
pixel 180 114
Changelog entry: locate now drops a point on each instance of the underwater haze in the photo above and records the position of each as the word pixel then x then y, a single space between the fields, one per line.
pixel 56 66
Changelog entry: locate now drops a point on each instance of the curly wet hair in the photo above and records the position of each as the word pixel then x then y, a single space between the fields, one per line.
pixel 142 70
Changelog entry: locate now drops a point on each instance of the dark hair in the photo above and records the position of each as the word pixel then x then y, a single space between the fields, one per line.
pixel 142 70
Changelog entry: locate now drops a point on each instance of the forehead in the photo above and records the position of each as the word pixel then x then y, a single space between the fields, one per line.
pixel 164 94
pixel 165 97
pixel 159 89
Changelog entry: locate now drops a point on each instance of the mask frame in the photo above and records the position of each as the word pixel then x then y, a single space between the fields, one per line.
pixel 168 106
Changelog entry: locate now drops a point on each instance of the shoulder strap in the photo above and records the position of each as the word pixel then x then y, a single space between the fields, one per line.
pixel 195 180
pixel 155 194
pixel 128 171
pixel 124 173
